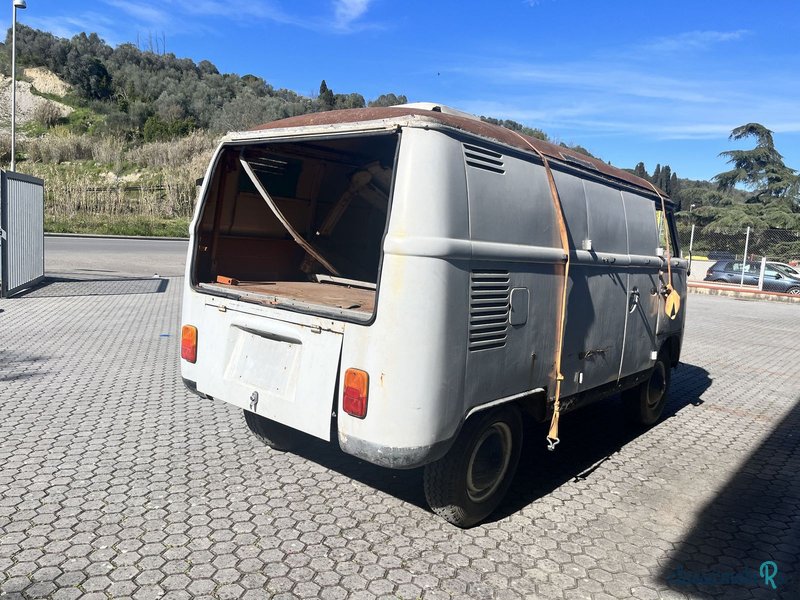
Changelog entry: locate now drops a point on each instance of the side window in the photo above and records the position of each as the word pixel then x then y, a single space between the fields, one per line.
pixel 748 268
pixel 675 247
pixel 667 228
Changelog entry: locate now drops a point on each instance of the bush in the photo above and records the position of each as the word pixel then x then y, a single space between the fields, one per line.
pixel 47 115
pixel 196 147
pixel 57 149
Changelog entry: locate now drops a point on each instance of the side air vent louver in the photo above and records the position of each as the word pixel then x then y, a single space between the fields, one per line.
pixel 481 158
pixel 489 307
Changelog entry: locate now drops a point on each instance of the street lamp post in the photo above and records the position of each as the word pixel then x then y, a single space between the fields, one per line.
pixel 16 4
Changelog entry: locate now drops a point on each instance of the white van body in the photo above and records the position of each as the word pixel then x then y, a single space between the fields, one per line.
pixel 447 291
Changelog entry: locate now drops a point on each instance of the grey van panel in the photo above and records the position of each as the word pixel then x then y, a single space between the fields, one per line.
pixel 606 218
pixel 573 201
pixel 512 208
pixel 642 312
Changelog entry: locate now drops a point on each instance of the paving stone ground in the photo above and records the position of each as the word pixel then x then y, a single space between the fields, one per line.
pixel 116 482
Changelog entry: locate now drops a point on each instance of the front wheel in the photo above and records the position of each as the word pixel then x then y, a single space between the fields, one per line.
pixel 469 482
pixel 645 403
pixel 793 290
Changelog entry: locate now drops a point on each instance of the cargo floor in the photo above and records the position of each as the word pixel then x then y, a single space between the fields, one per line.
pixel 325 294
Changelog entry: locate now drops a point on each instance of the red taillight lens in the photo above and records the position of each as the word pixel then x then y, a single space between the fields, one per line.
pixel 189 343
pixel 356 386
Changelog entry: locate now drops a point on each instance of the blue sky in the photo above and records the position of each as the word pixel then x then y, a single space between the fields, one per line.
pixel 661 82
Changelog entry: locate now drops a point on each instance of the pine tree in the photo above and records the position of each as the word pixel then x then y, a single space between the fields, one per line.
pixel 327 100
pixel 640 171
pixel 673 184
pixel 664 178
pixel 761 169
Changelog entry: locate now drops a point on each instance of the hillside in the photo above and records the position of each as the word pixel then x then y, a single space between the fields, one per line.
pixel 30 102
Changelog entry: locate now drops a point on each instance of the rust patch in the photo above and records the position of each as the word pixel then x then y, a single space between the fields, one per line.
pixel 474 126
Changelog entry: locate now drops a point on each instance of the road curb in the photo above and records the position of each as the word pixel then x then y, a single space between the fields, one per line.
pixel 118 237
pixel 742 294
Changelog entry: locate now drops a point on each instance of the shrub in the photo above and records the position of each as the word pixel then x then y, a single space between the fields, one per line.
pixel 47 114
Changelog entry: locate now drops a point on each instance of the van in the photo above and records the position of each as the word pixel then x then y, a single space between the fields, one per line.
pixel 410 283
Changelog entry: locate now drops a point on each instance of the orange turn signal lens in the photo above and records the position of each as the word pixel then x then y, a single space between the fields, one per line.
pixel 356 386
pixel 189 343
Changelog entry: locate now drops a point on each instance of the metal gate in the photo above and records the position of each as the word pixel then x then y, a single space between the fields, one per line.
pixel 21 232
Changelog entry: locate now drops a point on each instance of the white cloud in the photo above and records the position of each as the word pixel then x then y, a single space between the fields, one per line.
pixel 141 12
pixel 694 40
pixel 128 18
pixel 347 11
pixel 592 98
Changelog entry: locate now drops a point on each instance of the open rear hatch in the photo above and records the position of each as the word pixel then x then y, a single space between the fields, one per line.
pixel 298 224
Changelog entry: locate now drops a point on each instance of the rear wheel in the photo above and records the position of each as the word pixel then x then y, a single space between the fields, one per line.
pixel 275 435
pixel 793 290
pixel 470 481
pixel 645 403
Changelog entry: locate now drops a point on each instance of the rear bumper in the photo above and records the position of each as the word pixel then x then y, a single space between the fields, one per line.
pixel 192 387
pixel 391 457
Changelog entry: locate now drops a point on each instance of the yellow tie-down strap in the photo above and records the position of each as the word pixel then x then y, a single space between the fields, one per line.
pixel 672 300
pixel 552 435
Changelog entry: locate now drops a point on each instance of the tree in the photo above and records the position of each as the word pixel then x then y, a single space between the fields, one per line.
pixel 518 127
pixel 640 171
pixel 327 100
pixel 760 170
pixel 388 100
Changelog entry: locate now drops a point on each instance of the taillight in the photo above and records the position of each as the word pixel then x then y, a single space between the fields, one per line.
pixel 356 386
pixel 189 343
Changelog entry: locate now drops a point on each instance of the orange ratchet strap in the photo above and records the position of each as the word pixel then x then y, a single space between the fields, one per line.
pixel 552 435
pixel 672 300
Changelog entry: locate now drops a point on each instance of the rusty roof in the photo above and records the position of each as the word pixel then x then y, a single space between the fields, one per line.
pixel 469 125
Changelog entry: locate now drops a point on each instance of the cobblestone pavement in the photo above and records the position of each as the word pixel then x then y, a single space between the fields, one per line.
pixel 116 482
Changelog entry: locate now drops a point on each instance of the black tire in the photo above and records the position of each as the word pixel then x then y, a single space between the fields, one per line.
pixel 275 435
pixel 470 481
pixel 793 290
pixel 645 403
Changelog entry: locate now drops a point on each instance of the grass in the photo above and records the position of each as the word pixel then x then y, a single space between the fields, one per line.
pixel 119 225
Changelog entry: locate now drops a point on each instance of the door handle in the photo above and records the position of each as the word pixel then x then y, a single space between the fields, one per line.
pixel 634 300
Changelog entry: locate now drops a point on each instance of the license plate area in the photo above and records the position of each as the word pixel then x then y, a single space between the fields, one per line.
pixel 267 364
pixel 289 369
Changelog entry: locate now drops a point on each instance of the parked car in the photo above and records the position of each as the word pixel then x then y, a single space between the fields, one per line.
pixel 716 255
pixel 784 268
pixel 776 279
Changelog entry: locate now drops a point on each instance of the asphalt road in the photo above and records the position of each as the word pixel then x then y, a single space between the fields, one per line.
pixel 99 256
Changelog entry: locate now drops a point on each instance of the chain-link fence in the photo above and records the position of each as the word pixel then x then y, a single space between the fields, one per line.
pixel 765 259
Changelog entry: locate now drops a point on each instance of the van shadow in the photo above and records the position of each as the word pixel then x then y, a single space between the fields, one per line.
pixel 69 287
pixel 754 519
pixel 596 433
pixel 590 436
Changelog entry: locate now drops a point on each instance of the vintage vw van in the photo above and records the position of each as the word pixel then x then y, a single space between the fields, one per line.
pixel 411 282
